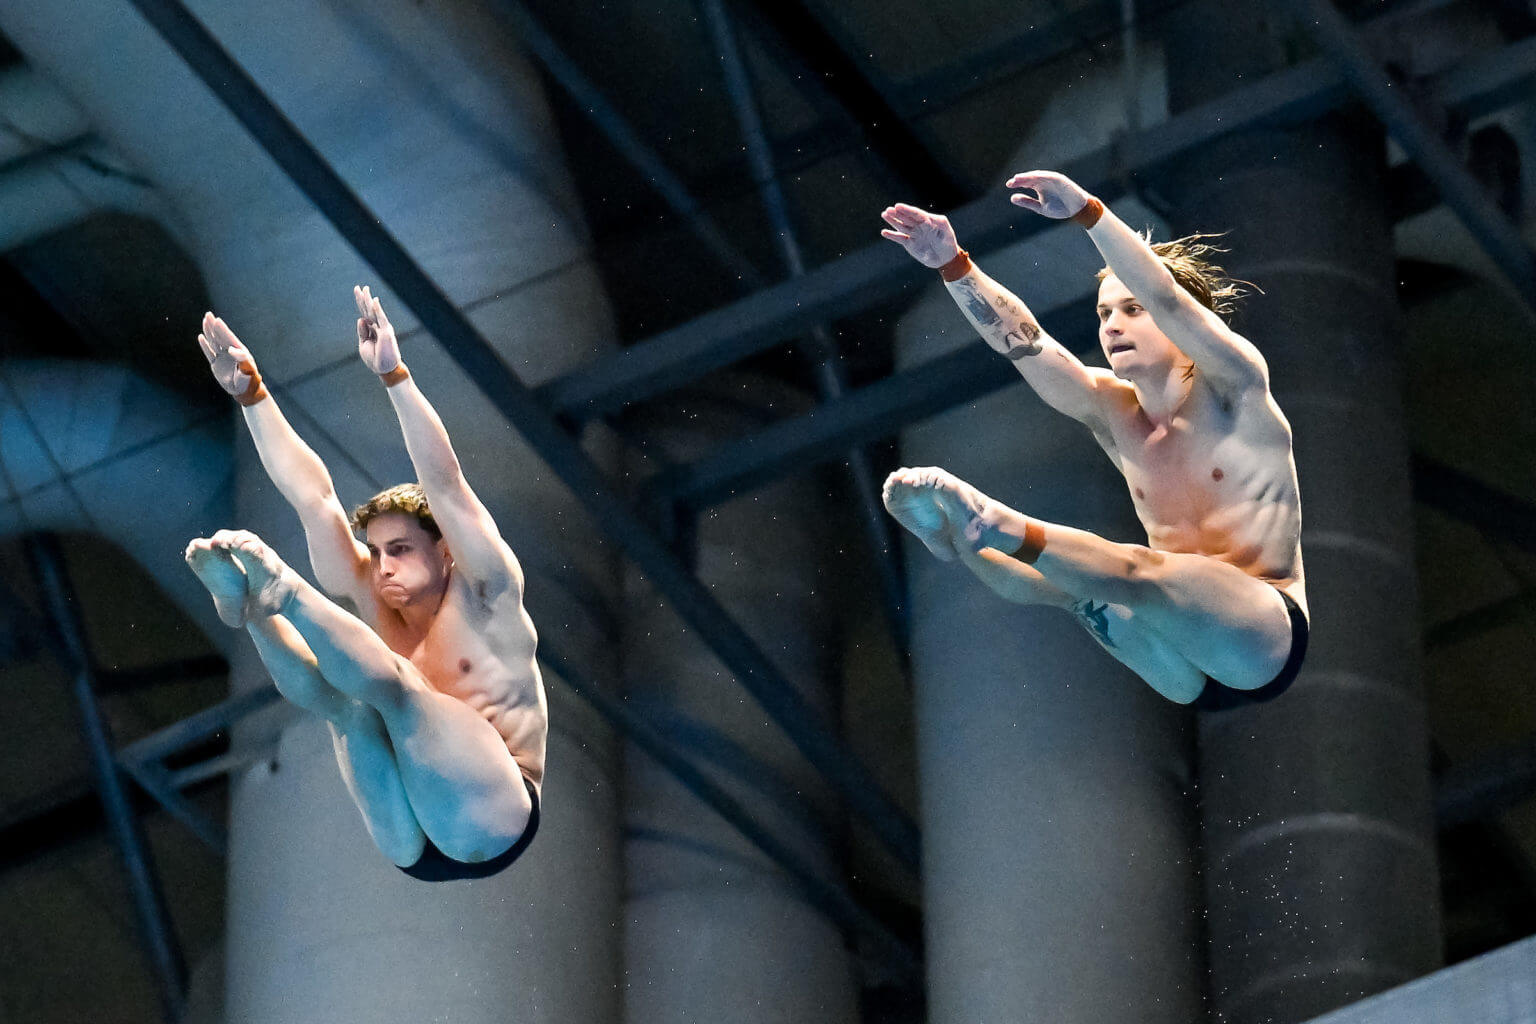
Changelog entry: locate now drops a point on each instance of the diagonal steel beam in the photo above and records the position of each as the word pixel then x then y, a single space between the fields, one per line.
pixel 1467 498
pixel 154 918
pixel 654 171
pixel 1494 233
pixel 880 409
pixel 826 361
pixel 995 63
pixel 1488 785
pixel 822 59
pixel 801 722
pixel 878 272
pixel 832 898
pixel 868 414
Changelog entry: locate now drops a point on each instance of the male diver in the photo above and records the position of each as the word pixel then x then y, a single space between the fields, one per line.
pixel 433 698
pixel 1212 611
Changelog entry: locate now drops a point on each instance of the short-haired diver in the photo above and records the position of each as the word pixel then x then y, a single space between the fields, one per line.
pixel 433 698
pixel 1212 610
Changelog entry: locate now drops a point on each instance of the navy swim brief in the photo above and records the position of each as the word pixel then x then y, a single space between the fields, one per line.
pixel 1216 697
pixel 435 866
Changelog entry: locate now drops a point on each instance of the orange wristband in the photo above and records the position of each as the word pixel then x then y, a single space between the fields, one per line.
pixel 395 376
pixel 1034 543
pixel 956 268
pixel 255 391
pixel 1089 215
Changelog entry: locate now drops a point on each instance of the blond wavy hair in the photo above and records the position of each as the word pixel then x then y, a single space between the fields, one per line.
pixel 1188 259
pixel 407 499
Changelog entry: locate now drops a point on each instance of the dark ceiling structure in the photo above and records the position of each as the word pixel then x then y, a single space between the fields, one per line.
pixel 735 229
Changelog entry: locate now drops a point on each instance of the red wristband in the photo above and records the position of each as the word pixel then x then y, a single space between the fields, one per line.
pixel 956 268
pixel 395 376
pixel 1089 215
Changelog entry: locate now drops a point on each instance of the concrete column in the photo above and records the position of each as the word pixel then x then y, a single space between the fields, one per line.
pixel 432 116
pixel 1056 798
pixel 1318 840
pixel 713 930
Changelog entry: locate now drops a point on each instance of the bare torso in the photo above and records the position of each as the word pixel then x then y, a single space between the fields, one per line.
pixel 481 652
pixel 1219 479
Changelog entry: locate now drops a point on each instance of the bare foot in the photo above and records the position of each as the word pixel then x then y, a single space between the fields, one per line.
pixel 268 580
pixel 223 577
pixel 969 515
pixel 914 506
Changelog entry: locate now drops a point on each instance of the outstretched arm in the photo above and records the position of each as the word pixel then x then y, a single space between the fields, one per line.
pixel 998 315
pixel 339 561
pixel 478 550
pixel 1227 360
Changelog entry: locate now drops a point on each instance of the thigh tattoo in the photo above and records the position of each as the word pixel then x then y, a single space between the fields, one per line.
pixel 1093 615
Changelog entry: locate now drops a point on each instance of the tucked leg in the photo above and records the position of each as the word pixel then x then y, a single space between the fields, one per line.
pixel 1114 627
pixel 364 754
pixel 1227 624
pixel 463 784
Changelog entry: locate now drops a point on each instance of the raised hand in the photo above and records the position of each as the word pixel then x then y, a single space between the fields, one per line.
pixel 376 342
pixel 1054 195
pixel 229 360
pixel 927 237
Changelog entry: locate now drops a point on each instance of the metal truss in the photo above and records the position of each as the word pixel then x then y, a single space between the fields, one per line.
pixel 69 641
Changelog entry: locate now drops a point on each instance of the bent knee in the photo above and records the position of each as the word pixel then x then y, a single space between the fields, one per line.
pixel 403 848
pixel 475 846
pixel 1139 573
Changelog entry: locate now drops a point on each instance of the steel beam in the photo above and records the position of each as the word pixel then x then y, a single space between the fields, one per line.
pixel 1463 496
pixel 821 58
pixel 607 119
pixel 826 367
pixel 1488 785
pixel 878 410
pixel 1494 233
pixel 154 918
pixel 801 722
pixel 998 61
pixel 879 272
pixel 872 412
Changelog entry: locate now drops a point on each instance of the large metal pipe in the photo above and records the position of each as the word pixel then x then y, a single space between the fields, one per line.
pixel 1318 840
pixel 756 950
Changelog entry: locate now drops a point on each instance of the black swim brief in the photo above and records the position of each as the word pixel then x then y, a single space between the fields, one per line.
pixel 1216 697
pixel 435 866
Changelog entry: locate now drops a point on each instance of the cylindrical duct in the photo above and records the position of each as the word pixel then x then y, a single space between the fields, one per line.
pixel 95 448
pixel 1318 841
pixel 1056 806
pixel 714 931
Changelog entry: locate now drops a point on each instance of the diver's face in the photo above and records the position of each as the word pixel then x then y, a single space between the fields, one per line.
pixel 1129 338
pixel 410 566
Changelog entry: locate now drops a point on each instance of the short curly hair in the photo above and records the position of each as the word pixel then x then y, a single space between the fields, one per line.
pixel 407 499
pixel 1188 260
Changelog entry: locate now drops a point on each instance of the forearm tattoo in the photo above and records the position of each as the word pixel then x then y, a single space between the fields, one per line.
pixel 977 305
pixel 1022 341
